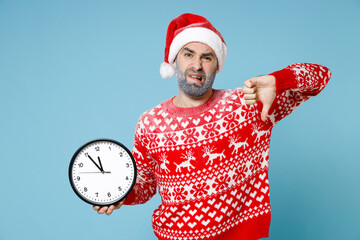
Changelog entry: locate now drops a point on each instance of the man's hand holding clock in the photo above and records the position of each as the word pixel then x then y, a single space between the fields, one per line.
pixel 110 209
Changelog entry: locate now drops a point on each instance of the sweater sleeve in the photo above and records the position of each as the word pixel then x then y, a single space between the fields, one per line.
pixel 294 85
pixel 145 185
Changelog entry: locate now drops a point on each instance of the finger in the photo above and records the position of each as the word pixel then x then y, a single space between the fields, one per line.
pixel 102 210
pixel 249 96
pixel 119 204
pixel 110 210
pixel 249 90
pixel 265 112
pixel 96 208
pixel 250 83
pixel 250 102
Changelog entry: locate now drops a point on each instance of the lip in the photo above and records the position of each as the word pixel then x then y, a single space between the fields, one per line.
pixel 194 77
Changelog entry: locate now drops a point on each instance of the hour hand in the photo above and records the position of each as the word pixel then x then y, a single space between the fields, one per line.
pixel 95 164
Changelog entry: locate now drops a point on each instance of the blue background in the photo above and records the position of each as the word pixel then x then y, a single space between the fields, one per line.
pixel 72 71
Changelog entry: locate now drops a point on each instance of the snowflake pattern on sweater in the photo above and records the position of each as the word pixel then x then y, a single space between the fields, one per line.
pixel 210 162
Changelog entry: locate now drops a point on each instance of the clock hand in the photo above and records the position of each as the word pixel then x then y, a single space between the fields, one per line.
pixel 95 164
pixel 94 172
pixel 102 169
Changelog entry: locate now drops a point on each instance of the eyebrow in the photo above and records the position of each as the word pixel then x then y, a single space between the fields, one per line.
pixel 207 54
pixel 189 50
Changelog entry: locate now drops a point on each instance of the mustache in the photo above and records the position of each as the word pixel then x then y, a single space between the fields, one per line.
pixel 198 72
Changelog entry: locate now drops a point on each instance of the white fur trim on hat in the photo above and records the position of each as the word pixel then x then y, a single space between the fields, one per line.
pixel 199 34
pixel 167 70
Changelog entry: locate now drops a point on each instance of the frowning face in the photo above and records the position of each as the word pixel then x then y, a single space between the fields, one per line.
pixel 196 68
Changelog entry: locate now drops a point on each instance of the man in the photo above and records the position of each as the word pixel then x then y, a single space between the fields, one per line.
pixel 207 150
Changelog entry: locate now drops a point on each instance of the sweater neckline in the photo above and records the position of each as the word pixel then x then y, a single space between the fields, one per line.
pixel 180 111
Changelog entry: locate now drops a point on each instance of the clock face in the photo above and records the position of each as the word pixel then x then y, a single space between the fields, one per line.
pixel 102 172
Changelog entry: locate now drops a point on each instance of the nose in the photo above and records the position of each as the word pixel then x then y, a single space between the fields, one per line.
pixel 197 64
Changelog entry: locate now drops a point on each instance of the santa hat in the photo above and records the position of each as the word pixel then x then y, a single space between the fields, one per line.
pixel 188 28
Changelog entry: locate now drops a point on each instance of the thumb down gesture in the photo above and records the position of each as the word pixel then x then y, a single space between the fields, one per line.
pixel 261 89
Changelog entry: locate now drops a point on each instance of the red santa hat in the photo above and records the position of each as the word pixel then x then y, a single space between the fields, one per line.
pixel 188 28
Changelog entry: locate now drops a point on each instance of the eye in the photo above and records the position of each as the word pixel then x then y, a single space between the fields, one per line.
pixel 207 59
pixel 188 55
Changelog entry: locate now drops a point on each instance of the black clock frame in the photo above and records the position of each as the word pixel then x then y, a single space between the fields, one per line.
pixel 72 163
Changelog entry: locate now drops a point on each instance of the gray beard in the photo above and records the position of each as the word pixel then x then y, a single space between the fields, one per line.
pixel 193 89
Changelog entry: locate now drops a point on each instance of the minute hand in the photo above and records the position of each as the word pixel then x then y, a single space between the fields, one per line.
pixel 102 169
pixel 95 163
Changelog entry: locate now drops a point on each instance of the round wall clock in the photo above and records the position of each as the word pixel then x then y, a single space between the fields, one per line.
pixel 102 172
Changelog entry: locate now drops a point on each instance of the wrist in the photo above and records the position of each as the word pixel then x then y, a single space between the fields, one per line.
pixel 284 80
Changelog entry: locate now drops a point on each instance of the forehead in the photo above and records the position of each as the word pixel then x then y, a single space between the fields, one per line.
pixel 198 47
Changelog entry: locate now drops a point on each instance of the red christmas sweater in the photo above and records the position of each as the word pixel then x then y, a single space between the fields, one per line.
pixel 210 163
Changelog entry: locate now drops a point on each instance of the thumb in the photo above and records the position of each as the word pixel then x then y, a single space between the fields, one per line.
pixel 264 112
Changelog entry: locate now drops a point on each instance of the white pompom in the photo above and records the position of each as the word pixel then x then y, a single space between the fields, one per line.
pixel 167 70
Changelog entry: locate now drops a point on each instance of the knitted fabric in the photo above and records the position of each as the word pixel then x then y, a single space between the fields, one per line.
pixel 210 163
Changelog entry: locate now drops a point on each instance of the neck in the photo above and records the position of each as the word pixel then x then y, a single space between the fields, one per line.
pixel 185 101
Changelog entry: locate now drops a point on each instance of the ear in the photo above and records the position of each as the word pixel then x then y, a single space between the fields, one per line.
pixel 175 63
